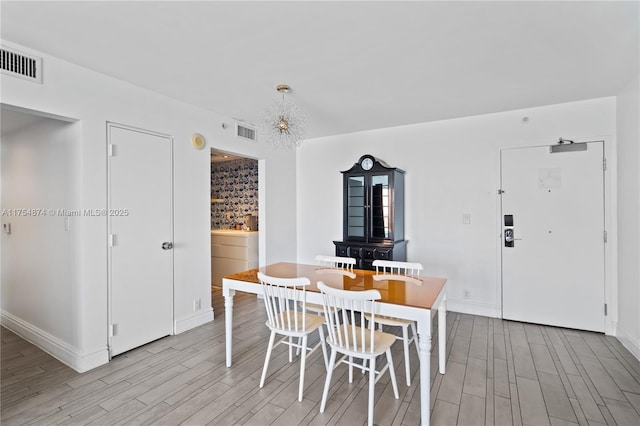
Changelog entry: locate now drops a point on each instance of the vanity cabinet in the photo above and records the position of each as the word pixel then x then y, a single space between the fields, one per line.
pixel 232 252
pixel 373 213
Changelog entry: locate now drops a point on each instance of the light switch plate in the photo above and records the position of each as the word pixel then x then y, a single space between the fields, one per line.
pixel 466 218
pixel 6 228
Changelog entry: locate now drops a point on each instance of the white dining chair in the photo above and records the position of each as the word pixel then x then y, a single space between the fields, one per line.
pixel 406 269
pixel 334 262
pixel 285 301
pixel 354 341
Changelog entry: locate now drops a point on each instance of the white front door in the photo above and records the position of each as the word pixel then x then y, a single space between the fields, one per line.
pixel 553 219
pixel 141 236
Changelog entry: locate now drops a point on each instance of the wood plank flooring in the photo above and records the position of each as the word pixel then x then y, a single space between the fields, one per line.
pixel 498 372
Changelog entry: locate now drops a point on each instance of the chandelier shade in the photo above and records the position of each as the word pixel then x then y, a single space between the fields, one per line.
pixel 282 123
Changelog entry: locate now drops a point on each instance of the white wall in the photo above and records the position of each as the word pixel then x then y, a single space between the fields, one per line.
pixel 452 168
pixel 93 99
pixel 628 114
pixel 39 168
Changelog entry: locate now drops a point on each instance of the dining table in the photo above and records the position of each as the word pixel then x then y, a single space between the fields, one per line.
pixel 414 298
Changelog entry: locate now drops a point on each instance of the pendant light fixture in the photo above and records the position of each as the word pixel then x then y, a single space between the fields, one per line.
pixel 283 124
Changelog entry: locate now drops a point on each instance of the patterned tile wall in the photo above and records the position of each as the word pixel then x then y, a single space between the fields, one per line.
pixel 234 192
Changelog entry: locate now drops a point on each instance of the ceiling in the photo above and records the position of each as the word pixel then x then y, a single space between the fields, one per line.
pixel 353 66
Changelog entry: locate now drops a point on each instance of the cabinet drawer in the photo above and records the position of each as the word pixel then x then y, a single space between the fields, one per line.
pixel 342 250
pixel 355 252
pixel 229 240
pixel 365 264
pixel 383 253
pixel 222 267
pixel 366 252
pixel 230 252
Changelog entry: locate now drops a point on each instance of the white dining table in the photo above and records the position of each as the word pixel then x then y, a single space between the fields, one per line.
pixel 412 298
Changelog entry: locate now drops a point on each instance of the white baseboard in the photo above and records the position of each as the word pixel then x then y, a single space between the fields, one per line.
pixel 193 321
pixel 629 342
pixel 474 308
pixel 55 347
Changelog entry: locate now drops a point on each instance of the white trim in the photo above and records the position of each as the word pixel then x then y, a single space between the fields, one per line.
pixel 55 347
pixel 473 308
pixel 629 342
pixel 193 321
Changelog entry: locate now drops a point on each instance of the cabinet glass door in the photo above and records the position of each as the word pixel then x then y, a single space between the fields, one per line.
pixel 380 204
pixel 356 207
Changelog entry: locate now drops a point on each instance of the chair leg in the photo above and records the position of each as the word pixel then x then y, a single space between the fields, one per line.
pixel 324 348
pixel 290 349
pixel 372 387
pixel 266 358
pixel 392 373
pixel 303 361
pixel 350 369
pixel 299 347
pixel 405 343
pixel 327 382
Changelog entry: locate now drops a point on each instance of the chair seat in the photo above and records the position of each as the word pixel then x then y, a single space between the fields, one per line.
pixel 382 341
pixel 312 307
pixel 288 319
pixel 385 320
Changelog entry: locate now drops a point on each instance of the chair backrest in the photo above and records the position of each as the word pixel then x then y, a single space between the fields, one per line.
pixel 398 268
pixel 285 301
pixel 336 262
pixel 344 312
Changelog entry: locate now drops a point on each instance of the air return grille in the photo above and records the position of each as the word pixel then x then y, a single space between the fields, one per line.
pixel 18 64
pixel 245 132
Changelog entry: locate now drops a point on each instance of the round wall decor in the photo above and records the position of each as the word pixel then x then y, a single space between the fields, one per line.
pixel 197 140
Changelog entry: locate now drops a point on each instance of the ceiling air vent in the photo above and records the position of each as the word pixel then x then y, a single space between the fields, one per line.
pixel 243 131
pixel 21 65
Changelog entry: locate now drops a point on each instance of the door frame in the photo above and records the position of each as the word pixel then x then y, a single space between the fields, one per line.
pixel 109 126
pixel 610 213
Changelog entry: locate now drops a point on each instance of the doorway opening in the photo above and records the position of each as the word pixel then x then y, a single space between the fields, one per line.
pixel 41 223
pixel 234 214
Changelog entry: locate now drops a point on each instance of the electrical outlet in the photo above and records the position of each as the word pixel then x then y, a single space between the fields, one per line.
pixel 197 304
pixel 6 228
pixel 466 293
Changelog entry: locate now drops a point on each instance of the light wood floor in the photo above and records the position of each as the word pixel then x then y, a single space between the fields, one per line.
pixel 498 372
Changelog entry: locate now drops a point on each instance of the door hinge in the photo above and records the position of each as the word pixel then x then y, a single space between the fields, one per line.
pixel 604 163
pixel 113 330
pixel 605 236
pixel 112 240
pixel 605 309
pixel 111 150
pixel 500 191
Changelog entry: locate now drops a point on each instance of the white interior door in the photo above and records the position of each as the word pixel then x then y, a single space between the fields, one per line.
pixel 554 271
pixel 140 226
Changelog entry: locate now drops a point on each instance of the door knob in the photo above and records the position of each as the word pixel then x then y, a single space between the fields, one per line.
pixel 167 245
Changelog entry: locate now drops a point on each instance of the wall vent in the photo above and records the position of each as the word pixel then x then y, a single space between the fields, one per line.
pixel 246 132
pixel 21 65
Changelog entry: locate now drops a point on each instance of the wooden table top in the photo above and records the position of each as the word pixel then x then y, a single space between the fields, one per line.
pixel 419 292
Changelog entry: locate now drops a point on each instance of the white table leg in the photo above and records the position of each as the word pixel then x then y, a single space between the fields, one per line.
pixel 442 334
pixel 424 344
pixel 228 322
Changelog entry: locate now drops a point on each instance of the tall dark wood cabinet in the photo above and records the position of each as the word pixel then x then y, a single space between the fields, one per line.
pixel 373 213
